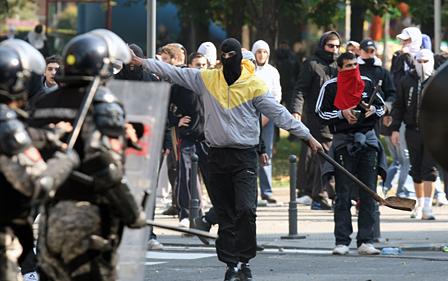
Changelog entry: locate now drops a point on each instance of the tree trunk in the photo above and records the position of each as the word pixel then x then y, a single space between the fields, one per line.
pixel 357 22
pixel 267 28
pixel 236 19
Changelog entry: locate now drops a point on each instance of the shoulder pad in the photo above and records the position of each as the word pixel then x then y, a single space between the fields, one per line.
pixel 6 113
pixel 14 139
pixel 105 95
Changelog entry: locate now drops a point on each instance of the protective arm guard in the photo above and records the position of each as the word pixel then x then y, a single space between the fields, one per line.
pixel 110 181
pixel 109 113
pixel 123 202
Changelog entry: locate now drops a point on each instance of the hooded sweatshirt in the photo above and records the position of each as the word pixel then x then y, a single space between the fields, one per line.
pixel 208 49
pixel 267 72
pixel 315 72
pixel 231 112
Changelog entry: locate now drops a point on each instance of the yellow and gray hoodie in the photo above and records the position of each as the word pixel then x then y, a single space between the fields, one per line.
pixel 231 112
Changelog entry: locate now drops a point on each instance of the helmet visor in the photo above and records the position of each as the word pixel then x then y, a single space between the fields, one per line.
pixel 30 58
pixel 117 47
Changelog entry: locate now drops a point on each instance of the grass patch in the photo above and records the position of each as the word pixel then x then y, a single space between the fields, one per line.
pixel 285 148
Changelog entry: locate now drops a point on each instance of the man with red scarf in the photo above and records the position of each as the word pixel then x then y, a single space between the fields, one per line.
pixel 343 106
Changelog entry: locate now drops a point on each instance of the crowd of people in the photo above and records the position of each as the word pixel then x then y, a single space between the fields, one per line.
pixel 223 110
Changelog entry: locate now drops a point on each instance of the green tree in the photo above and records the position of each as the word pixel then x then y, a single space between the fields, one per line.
pixel 25 9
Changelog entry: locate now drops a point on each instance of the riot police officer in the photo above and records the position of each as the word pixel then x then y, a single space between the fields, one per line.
pixel 24 176
pixel 81 226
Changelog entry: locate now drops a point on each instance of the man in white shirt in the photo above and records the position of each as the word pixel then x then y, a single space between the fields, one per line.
pixel 271 78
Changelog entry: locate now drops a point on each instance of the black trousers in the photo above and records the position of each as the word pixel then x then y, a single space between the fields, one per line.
pixel 233 191
pixel 423 166
pixel 183 188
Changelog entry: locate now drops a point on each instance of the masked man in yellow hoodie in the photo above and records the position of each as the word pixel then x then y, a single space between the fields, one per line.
pixel 233 100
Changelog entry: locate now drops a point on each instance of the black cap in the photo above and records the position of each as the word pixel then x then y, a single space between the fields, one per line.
pixel 367 44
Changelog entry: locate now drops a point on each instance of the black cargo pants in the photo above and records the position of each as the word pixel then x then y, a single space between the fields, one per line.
pixel 233 191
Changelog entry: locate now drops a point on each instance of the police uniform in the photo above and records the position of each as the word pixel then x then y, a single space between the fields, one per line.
pixel 81 226
pixel 24 176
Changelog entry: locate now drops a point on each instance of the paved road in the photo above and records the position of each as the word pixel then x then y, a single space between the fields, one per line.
pixel 191 264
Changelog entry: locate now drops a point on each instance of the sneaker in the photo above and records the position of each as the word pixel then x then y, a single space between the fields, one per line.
pixel 427 214
pixel 184 223
pixel 368 249
pixel 322 205
pixel 31 276
pixel 441 200
pixel 270 199
pixel 244 273
pixel 198 223
pixel 171 211
pixel 259 248
pixel 231 274
pixel 417 213
pixel 341 250
pixel 153 244
pixel 304 200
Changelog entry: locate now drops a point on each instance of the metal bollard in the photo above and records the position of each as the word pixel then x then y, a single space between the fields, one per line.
pixel 194 201
pixel 376 226
pixel 293 203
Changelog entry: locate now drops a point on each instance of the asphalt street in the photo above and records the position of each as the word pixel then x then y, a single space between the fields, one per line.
pixel 179 263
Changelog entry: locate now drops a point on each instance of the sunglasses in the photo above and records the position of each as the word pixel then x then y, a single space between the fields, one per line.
pixel 331 46
pixel 228 55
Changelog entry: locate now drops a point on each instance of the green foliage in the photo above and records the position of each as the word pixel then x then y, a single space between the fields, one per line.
pixel 67 19
pixel 294 7
pixel 25 9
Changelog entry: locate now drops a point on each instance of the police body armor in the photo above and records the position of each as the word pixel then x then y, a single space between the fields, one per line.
pixel 106 200
pixel 24 176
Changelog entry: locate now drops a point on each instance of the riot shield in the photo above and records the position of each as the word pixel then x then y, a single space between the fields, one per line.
pixel 146 105
pixel 433 116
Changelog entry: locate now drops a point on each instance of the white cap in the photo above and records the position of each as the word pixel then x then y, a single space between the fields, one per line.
pixel 404 35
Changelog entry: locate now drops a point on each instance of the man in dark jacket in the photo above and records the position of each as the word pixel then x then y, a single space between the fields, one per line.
pixel 315 72
pixel 371 67
pixel 289 68
pixel 355 146
pixel 406 109
pixel 190 123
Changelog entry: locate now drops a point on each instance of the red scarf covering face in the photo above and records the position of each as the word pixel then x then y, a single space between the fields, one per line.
pixel 350 88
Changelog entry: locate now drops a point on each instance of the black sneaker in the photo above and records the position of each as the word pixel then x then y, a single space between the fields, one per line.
pixel 259 248
pixel 270 199
pixel 171 211
pixel 244 273
pixel 231 274
pixel 320 205
pixel 198 223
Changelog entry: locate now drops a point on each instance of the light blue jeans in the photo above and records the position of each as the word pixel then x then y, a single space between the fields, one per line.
pixel 399 168
pixel 265 173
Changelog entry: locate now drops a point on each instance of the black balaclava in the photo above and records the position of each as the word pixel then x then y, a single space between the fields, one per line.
pixel 231 66
pixel 126 73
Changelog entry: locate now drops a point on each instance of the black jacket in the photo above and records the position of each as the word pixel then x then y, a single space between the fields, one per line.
pixel 407 99
pixel 188 103
pixel 288 66
pixel 439 59
pixel 387 91
pixel 330 115
pixel 315 72
pixel 397 70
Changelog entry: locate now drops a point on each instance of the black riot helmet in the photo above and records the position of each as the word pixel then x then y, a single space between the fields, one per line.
pixel 19 63
pixel 92 54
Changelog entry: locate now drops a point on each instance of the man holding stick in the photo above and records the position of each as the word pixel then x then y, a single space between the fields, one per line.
pixel 344 106
pixel 233 100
